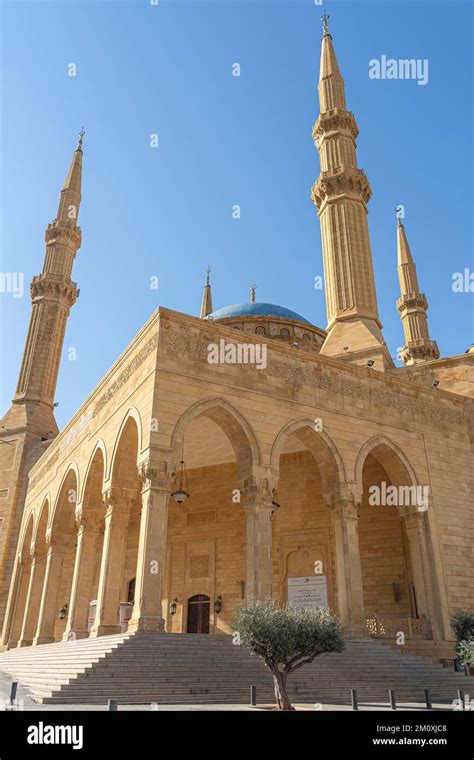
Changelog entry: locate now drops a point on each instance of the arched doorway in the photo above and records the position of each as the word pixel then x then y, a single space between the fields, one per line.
pixel 199 608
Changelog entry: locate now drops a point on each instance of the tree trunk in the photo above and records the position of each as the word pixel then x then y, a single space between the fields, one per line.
pixel 282 700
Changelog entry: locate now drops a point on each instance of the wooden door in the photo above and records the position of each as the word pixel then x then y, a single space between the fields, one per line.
pixel 199 608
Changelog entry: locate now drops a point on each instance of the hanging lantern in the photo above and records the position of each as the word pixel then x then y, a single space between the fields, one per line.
pixel 218 605
pixel 62 612
pixel 275 504
pixel 173 607
pixel 180 492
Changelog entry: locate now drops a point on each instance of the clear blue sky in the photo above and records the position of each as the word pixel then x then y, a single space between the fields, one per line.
pixel 223 140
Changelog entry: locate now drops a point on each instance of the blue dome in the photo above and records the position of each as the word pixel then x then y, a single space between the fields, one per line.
pixel 261 309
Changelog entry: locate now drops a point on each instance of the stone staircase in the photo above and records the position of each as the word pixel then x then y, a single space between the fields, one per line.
pixel 426 648
pixel 191 668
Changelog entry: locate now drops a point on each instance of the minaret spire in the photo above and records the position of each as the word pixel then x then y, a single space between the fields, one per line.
pixel 206 306
pixel 341 194
pixel 52 294
pixel 412 306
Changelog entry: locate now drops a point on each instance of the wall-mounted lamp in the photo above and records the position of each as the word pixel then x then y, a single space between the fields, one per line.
pixel 173 607
pixel 396 591
pixel 62 612
pixel 218 605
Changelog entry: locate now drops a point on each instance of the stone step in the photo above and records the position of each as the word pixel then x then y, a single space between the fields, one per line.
pixel 188 668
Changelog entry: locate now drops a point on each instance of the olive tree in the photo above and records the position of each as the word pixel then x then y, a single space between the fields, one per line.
pixel 286 638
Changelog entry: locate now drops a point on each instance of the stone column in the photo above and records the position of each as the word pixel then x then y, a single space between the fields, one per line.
pixel 88 543
pixel 348 568
pixel 415 528
pixel 12 604
pixel 49 599
pixel 147 612
pixel 33 601
pixel 117 501
pixel 258 510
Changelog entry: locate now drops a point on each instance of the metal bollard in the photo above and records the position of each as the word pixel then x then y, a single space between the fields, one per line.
pixel 253 696
pixel 461 698
pixel 112 704
pixel 428 699
pixel 355 704
pixel 393 702
pixel 13 689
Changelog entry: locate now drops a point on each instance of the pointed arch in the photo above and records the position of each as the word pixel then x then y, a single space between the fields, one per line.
pixel 131 414
pixel 71 468
pixel 26 538
pixel 232 423
pixel 322 448
pixel 43 517
pixel 62 521
pixel 99 447
pixel 395 463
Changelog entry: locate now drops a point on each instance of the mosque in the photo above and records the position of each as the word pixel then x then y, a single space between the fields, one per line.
pixel 183 485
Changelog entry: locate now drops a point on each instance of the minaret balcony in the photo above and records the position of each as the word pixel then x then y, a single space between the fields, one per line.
pixel 335 120
pixel 412 302
pixel 64 230
pixel 54 287
pixel 345 181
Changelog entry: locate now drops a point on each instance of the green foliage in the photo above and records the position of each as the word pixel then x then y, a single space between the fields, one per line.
pixel 286 638
pixel 463 627
pixel 466 653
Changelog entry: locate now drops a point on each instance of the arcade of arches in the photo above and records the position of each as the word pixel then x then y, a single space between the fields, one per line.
pixel 124 546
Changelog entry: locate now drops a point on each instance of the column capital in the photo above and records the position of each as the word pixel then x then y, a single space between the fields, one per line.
pixel 156 474
pixel 343 501
pixel 89 521
pixel 412 518
pixel 344 508
pixel 117 499
pixel 259 492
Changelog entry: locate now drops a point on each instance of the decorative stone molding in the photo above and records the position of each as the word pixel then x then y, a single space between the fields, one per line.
pixel 65 230
pixel 415 301
pixel 259 492
pixel 126 374
pixel 334 120
pixel 54 286
pixel 343 507
pixel 340 382
pixel 117 500
pixel 422 350
pixel 156 475
pixel 341 181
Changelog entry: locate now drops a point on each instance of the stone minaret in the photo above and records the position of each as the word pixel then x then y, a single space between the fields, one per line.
pixel 341 194
pixel 52 295
pixel 206 306
pixel 29 426
pixel 412 306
